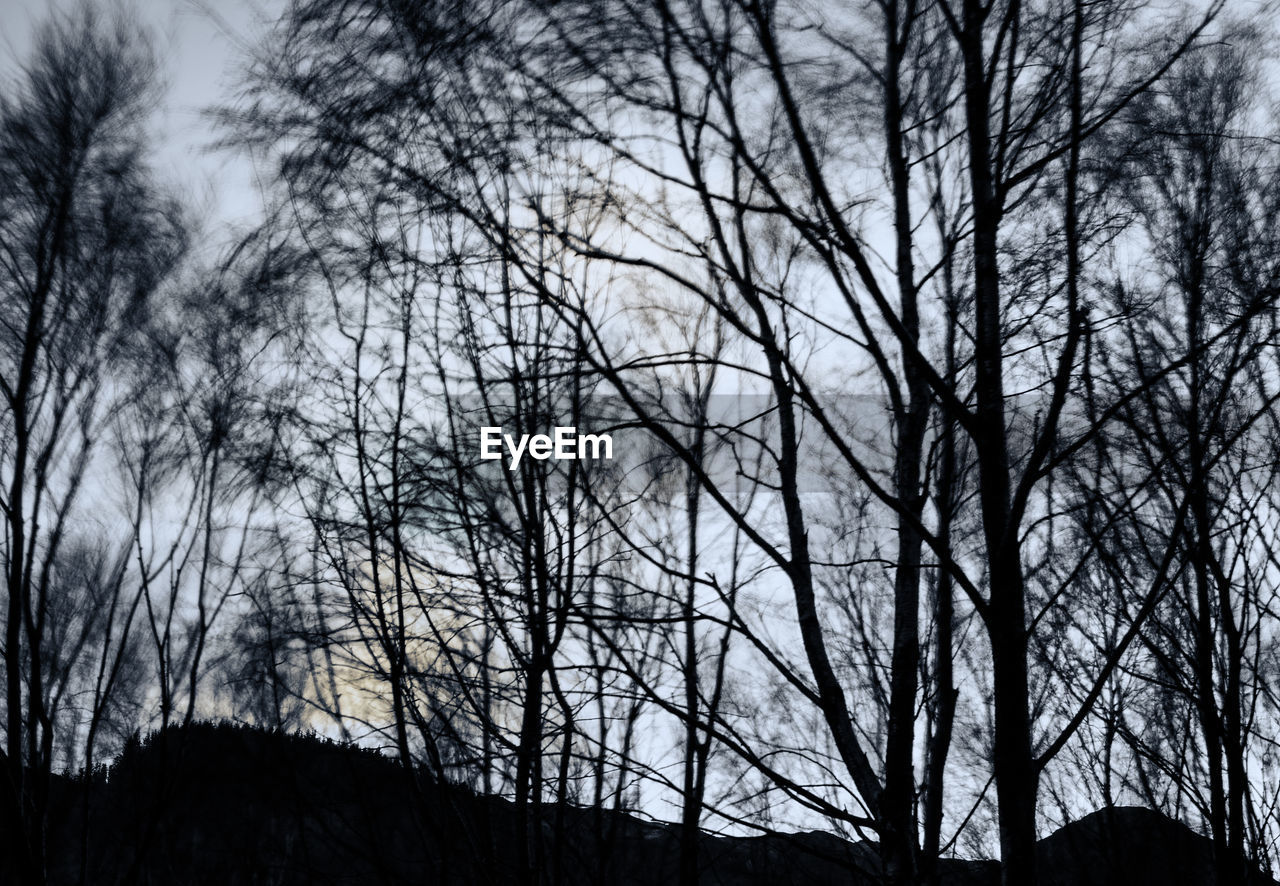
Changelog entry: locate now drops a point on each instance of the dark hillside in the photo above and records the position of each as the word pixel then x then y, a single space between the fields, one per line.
pixel 240 807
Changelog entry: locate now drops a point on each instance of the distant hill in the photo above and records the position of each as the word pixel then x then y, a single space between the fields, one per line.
pixel 240 807
pixel 1128 846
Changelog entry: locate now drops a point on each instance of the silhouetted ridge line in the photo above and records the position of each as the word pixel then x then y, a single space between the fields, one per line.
pixel 227 804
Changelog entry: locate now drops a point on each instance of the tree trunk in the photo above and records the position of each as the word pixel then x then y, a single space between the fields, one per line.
pixel 1015 770
pixel 899 837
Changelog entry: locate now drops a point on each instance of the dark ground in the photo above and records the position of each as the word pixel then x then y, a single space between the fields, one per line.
pixel 240 807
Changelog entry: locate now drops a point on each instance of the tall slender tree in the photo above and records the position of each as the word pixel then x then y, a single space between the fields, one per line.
pixel 86 241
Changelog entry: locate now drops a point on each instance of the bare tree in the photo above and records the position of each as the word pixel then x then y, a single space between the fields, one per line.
pixel 87 241
pixel 1201 196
